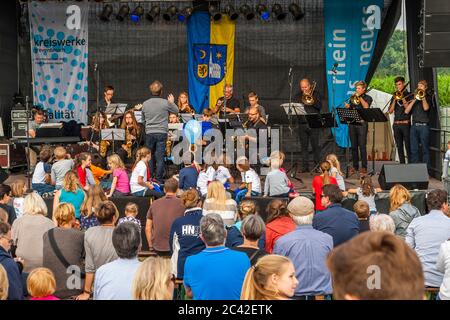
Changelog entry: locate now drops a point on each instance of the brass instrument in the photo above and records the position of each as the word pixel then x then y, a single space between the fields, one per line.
pixel 169 144
pixel 103 149
pixel 398 95
pixel 308 99
pixel 355 98
pixel 419 94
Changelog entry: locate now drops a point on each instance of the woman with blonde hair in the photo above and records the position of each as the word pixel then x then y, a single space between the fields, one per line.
pixel 95 196
pixel 120 185
pixel 183 103
pixel 4 283
pixel 28 231
pixel 41 284
pixel 336 171
pixel 246 208
pixel 271 278
pixel 141 184
pixel 153 280
pixel 68 241
pixel 71 192
pixel 401 210
pixel 217 202
pixel 18 190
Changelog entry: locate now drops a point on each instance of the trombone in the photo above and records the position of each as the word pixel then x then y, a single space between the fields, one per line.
pixel 398 95
pixel 308 99
pixel 355 98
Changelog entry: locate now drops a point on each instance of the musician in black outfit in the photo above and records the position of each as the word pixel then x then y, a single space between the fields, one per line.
pixel 308 135
pixel 232 104
pixel 358 131
pixel 108 93
pixel 402 120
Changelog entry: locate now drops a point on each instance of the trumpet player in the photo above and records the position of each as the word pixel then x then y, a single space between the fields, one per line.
pixel 419 108
pixel 358 131
pixel 402 120
pixel 310 98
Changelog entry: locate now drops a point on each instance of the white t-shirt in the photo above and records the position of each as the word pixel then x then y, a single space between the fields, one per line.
pixel 18 206
pixel 252 177
pixel 139 171
pixel 204 177
pixel 222 174
pixel 39 173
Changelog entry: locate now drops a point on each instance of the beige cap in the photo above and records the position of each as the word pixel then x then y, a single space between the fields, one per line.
pixel 301 206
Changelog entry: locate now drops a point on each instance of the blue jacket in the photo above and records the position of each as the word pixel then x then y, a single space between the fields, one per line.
pixel 188 178
pixel 15 291
pixel 338 222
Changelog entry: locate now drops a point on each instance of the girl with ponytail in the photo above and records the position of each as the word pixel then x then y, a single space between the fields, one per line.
pixel 141 184
pixel 271 278
pixel 279 222
pixel 319 181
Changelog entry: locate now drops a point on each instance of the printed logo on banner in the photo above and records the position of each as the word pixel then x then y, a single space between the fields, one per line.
pixel 210 63
pixel 59 44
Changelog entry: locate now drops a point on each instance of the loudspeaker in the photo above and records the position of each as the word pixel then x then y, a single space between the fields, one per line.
pixel 411 176
pixel 437 33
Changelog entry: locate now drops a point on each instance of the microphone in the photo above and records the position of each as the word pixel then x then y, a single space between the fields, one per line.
pixel 290 71
pixel 95 67
pixel 334 67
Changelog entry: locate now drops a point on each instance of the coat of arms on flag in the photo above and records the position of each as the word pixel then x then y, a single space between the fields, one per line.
pixel 210 63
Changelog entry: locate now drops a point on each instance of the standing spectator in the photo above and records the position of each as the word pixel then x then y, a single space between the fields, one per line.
pixel 354 264
pixel 307 249
pixel 131 212
pixel 126 240
pixel 95 197
pixel 382 222
pixel 120 185
pixel 28 231
pixel 15 288
pixel 224 281
pixel 98 244
pixel 321 180
pixel 155 115
pixel 153 280
pixel 160 217
pixel 272 278
pixel 184 236
pixel 278 223
pixel 401 210
pixel 425 235
pixel 18 190
pixel 5 198
pixel 71 192
pixel 62 165
pixel 252 229
pixel 64 248
pixel 217 202
pixel 338 222
pixel 443 265
pixel 4 284
pixel 41 181
pixel 362 210
pixel 41 284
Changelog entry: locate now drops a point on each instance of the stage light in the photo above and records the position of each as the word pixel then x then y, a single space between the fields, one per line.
pixel 263 12
pixel 106 13
pixel 185 13
pixel 123 12
pixel 278 12
pixel 231 12
pixel 153 13
pixel 247 12
pixel 137 13
pixel 214 12
pixel 170 13
pixel 296 11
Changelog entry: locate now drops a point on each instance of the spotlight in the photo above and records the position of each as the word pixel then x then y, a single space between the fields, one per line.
pixel 185 13
pixel 106 13
pixel 278 12
pixel 170 13
pixel 153 13
pixel 247 12
pixel 296 11
pixel 215 12
pixel 231 12
pixel 123 12
pixel 263 12
pixel 137 13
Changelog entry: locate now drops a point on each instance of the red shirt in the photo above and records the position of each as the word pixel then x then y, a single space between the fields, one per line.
pixel 82 175
pixel 317 185
pixel 277 228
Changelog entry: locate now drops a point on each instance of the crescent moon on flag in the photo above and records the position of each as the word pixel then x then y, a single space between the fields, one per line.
pixel 203 52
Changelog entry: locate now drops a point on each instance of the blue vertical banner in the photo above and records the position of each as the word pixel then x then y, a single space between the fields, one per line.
pixel 351 30
pixel 59 54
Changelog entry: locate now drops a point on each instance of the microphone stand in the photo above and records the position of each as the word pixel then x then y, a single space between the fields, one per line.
pixel 97 86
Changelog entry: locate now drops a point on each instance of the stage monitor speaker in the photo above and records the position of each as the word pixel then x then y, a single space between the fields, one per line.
pixel 411 176
pixel 437 6
pixel 436 41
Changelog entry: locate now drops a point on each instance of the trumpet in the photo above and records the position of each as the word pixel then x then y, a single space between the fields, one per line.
pixel 419 94
pixel 308 99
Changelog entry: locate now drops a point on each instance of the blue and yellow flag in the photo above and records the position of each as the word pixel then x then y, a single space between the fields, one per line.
pixel 210 58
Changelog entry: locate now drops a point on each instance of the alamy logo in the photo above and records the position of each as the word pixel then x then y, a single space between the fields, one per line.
pixel 374 19
pixel 73 21
pixel 374 280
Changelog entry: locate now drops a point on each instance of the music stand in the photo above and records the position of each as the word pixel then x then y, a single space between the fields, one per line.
pixel 138 116
pixel 115 110
pixel 113 135
pixel 372 115
pixel 348 116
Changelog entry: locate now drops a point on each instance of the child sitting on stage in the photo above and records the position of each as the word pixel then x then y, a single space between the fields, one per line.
pixel 120 185
pixel 223 173
pixel 187 179
pixel 18 189
pixel 205 176
pixel 277 182
pixel 141 184
pixel 131 211
pixel 366 192
pixel 62 165
pixel 83 161
pixel 98 172
pixel 335 170
pixel 41 181
pixel 251 185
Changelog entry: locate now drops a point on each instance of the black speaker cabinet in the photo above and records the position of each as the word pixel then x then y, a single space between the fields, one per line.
pixel 411 176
